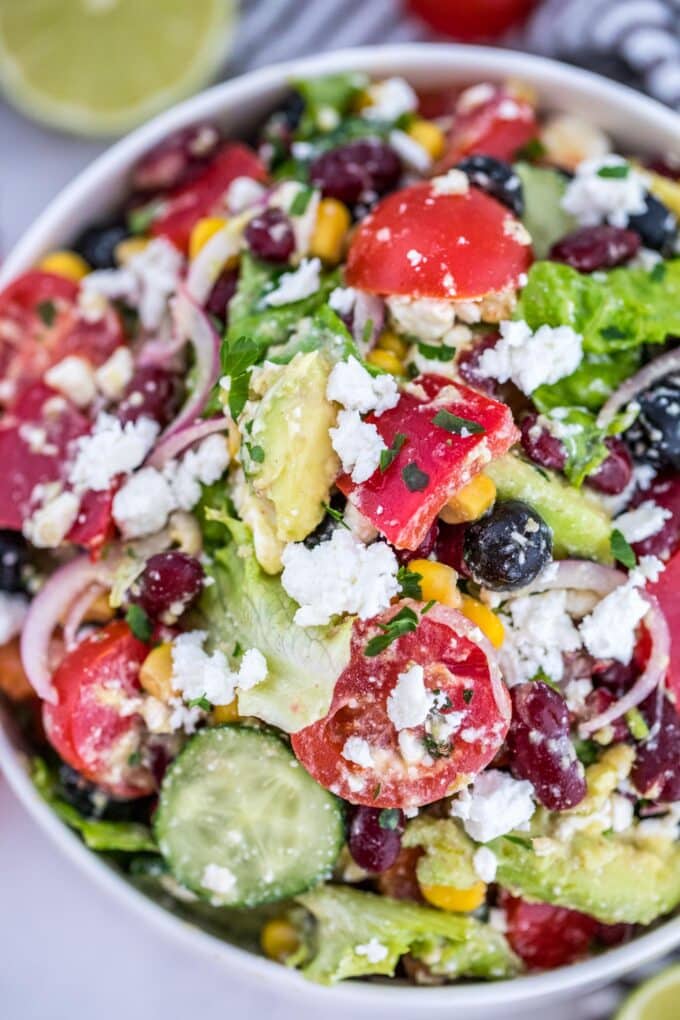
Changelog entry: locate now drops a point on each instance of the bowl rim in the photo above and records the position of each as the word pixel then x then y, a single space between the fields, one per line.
pixel 464 63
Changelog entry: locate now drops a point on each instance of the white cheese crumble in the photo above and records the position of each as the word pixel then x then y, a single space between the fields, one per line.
pixel 433 321
pixel 111 449
pixel 242 193
pixel 592 198
pixel 219 880
pixel 409 701
pixel 358 750
pixel 113 376
pixel 146 282
pixel 455 182
pixel 494 804
pixel 49 525
pixel 485 863
pixel 142 505
pixel 201 466
pixel 351 385
pixel 74 378
pixel 412 154
pixel 390 99
pixel 538 633
pixel 412 748
pixel 532 359
pixel 13 609
pixel 197 674
pixel 358 444
pixel 642 522
pixel 342 300
pixel 339 576
pixel 301 283
pixel 373 950
pixel 609 631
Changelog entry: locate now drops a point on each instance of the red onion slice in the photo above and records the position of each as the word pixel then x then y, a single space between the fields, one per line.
pixel 213 256
pixel 581 575
pixel 61 591
pixel 174 444
pixel 77 612
pixel 367 308
pixel 638 383
pixel 652 677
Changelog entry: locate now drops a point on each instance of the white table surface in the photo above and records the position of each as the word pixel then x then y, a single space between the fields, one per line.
pixel 68 951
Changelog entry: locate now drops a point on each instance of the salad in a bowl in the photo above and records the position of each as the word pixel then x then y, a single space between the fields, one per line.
pixel 341 532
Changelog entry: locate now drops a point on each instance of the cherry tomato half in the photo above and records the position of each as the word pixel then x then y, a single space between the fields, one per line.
pixel 474 20
pixel 455 662
pixel 95 683
pixel 490 120
pixel 423 243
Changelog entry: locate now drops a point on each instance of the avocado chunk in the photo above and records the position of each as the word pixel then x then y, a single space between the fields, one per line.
pixel 287 453
pixel 544 217
pixel 580 525
pixel 349 921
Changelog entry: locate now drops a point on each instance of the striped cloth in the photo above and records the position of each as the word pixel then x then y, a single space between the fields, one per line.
pixel 637 41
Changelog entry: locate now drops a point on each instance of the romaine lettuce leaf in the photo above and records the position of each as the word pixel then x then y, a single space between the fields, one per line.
pixel 451 945
pixel 246 606
pixel 332 92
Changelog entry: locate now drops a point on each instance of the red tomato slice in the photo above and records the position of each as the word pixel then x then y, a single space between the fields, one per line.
pixel 94 525
pixel 433 463
pixel 421 243
pixel 87 727
pixel 204 194
pixel 454 656
pixel 490 121
pixel 667 591
pixel 34 442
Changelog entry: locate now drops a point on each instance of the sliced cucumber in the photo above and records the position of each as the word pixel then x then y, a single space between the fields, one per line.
pixel 241 823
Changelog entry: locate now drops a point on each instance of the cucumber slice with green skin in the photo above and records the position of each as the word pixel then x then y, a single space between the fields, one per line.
pixel 241 823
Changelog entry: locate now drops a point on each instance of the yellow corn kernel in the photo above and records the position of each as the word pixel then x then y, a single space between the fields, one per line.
pixel 664 188
pixel 127 249
pixel 470 502
pixel 328 240
pixel 279 939
pixel 389 341
pixel 438 582
pixel 459 901
pixel 519 89
pixel 429 136
pixel 155 674
pixel 203 231
pixel 69 264
pixel 99 611
pixel 487 621
pixel 225 713
pixel 386 360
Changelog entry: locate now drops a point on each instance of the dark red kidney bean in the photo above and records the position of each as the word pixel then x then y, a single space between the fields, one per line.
pixel 221 294
pixel 616 677
pixel 616 470
pixel 468 365
pixel 373 846
pixel 656 771
pixel 426 547
pixel 270 236
pixel 350 171
pixel 665 492
pixel 154 393
pixel 599 701
pixel 540 445
pixel 590 248
pixel 176 159
pixel 449 547
pixel 540 747
pixel 169 583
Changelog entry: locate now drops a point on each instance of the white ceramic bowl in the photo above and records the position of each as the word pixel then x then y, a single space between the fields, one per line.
pixel 638 124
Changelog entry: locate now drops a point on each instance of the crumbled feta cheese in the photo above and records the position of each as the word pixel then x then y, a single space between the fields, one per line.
pixel 485 863
pixel 219 880
pixel 409 701
pixel 426 319
pixel 474 96
pixel 532 359
pixel 35 437
pixel 356 389
pixel 111 449
pixel 113 376
pixel 242 193
pixel 609 631
pixel 537 634
pixel 301 283
pixel 642 522
pixel 197 674
pixel 455 182
pixel 13 609
pixel 358 750
pixel 412 154
pixel 142 504
pixel 74 378
pixel 49 525
pixel 252 670
pixel 494 804
pixel 576 692
pixel 373 950
pixel 342 300
pixel 339 576
pixel 202 466
pixel 592 198
pixel 358 444
pixel 145 283
pixel 390 99
pixel 412 747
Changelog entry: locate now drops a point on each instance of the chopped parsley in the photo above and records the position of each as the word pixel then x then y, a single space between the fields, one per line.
pixel 140 219
pixel 238 359
pixel 587 751
pixel 256 454
pixel 415 480
pixel 201 702
pixel 389 818
pixel 47 312
pixel 139 623
pixel 337 515
pixel 658 273
pixel 410 583
pixel 367 331
pixel 134 759
pixel 443 353
pixel 452 423
pixel 387 456
pixel 519 841
pixel 403 622
pixel 467 695
pixel 618 172
pixel 436 748
pixel 534 149
pixel 621 549
pixel 299 204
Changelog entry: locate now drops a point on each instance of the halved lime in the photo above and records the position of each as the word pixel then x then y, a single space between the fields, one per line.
pixel 99 67
pixel 656 999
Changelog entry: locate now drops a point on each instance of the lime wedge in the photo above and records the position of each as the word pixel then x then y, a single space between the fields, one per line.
pixel 656 999
pixel 100 67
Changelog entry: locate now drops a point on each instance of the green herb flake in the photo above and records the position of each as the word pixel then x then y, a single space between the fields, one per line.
pixel 452 423
pixel 367 332
pixel 415 480
pixel 139 623
pixel 376 790
pixel 434 353
pixel 436 748
pixel 519 841
pixel 337 515
pixel 534 149
pixel 388 456
pixel 403 622
pixel 201 702
pixel 47 312
pixel 389 818
pixel 617 172
pixel 134 759
pixel 256 454
pixel 410 583
pixel 467 695
pixel 428 606
pixel 587 751
pixel 621 550
pixel 658 273
pixel 299 204
pixel 140 219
